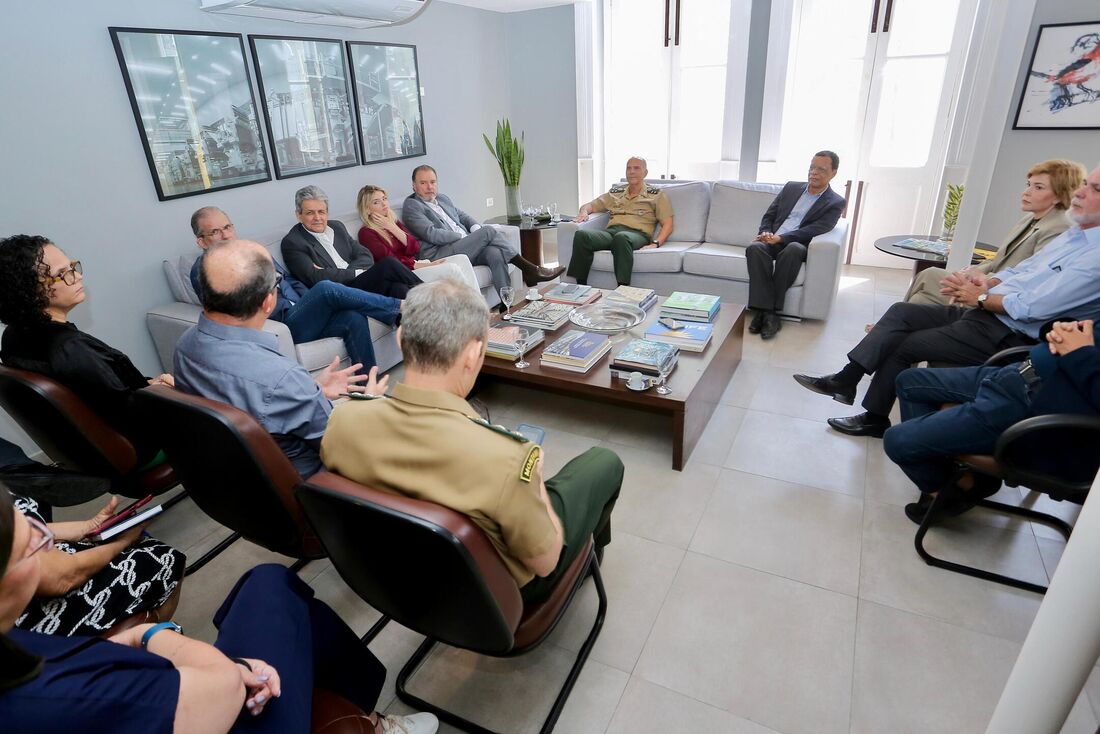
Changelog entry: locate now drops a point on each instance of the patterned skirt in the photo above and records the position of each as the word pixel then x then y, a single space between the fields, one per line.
pixel 138 579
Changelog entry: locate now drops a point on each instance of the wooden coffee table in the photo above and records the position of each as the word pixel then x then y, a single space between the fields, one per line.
pixel 697 383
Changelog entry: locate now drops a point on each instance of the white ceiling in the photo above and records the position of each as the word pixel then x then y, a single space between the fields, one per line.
pixel 507 6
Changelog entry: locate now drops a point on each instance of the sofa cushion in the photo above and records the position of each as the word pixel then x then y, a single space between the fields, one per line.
pixel 723 261
pixel 177 270
pixel 667 258
pixel 318 354
pixel 736 208
pixel 690 204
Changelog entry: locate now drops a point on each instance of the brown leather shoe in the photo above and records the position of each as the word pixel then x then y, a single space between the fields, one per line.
pixel 545 274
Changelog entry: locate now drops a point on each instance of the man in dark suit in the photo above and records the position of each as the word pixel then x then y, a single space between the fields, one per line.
pixel 444 230
pixel 316 249
pixel 800 212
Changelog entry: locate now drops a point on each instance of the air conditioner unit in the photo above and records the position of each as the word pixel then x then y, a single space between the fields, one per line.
pixel 346 13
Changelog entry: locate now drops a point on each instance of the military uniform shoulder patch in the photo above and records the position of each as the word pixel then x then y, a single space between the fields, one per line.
pixel 528 469
pixel 652 190
pixel 618 188
pixel 500 429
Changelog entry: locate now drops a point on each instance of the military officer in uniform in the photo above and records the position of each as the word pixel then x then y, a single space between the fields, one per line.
pixel 425 441
pixel 635 211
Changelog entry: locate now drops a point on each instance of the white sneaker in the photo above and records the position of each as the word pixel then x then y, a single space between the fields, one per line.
pixel 411 724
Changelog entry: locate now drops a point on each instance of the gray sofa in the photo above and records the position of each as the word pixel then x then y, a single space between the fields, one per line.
pixel 713 224
pixel 168 322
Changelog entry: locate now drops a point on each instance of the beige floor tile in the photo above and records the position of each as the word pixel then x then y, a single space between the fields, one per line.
pixel 891 573
pixel 1040 502
pixel 648 431
pixel 1051 551
pixel 777 392
pixel 767 649
pixel 856 279
pixel 555 412
pixel 744 383
pixel 650 709
pixel 658 503
pixel 799 451
pixel 637 574
pixel 804 353
pixel 801 533
pixel 894 281
pixel 717 439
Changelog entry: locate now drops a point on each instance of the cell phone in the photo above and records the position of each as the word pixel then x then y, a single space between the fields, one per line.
pixel 534 433
pixel 122 527
pixel 120 515
pixel 570 288
pixel 670 323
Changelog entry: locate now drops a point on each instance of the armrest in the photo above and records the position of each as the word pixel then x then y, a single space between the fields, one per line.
pixel 167 323
pixel 511 232
pixel 824 256
pixel 1008 356
pixel 286 341
pixel 566 230
pixel 1055 454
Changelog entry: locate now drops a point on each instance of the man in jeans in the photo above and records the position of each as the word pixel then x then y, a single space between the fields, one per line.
pixel 328 309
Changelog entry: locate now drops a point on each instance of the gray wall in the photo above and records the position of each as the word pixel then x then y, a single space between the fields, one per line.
pixel 76 171
pixel 1020 149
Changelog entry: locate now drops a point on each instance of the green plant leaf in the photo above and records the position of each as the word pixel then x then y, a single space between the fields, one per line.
pixel 508 152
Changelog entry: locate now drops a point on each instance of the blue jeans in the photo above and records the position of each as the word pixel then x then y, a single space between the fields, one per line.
pixel 990 400
pixel 333 310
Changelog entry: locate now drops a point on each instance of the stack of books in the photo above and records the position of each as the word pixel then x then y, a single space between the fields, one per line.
pixel 576 351
pixel 643 298
pixel 649 358
pixel 512 342
pixel 573 293
pixel 542 315
pixel 689 337
pixel 936 247
pixel 691 306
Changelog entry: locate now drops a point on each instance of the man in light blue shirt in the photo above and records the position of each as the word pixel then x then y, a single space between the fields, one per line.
pixel 228 357
pixel 989 313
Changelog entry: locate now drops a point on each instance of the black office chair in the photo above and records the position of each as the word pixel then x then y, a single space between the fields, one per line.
pixel 446 581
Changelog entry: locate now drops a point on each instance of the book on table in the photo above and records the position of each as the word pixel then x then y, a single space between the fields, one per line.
pixel 692 337
pixel 574 294
pixel 576 350
pixel 936 247
pixel 691 306
pixel 543 315
pixel 648 357
pixel 643 298
pixel 512 342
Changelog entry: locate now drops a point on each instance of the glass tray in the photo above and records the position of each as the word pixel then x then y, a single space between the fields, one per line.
pixel 607 317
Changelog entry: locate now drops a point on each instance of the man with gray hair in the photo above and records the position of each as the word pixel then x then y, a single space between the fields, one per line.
pixel 428 443
pixel 317 249
pixel 635 210
pixel 228 357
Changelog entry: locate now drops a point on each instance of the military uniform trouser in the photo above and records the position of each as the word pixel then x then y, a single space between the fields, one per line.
pixel 622 241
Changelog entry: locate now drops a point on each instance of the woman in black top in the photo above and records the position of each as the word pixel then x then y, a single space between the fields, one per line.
pixel 39 285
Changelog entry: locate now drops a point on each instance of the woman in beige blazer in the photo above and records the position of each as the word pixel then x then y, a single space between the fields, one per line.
pixel 1049 190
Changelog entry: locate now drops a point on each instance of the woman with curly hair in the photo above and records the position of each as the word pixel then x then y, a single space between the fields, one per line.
pixel 39 286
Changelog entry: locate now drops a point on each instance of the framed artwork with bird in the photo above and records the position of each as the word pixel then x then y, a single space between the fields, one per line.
pixel 1062 88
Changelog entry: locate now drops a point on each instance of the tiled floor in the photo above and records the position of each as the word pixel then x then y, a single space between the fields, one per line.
pixel 771 586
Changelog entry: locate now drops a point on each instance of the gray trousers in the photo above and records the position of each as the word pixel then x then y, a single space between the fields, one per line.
pixel 772 270
pixel 487 246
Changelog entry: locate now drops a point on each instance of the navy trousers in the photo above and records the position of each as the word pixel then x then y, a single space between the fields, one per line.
pixel 923 445
pixel 271 615
pixel 329 309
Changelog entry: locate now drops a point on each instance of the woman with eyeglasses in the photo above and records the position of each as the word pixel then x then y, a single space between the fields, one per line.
pixel 275 643
pixel 39 286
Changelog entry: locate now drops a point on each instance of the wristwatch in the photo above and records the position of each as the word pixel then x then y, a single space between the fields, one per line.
pixel 655 242
pixel 157 628
pixel 981 300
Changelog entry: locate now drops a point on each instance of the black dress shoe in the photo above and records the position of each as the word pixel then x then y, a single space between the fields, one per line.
pixel 829 385
pixel 772 325
pixel 757 322
pixel 863 424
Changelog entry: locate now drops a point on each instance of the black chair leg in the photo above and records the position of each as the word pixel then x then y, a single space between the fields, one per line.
pixel 551 721
pixel 931 518
pixel 211 554
pixel 375 629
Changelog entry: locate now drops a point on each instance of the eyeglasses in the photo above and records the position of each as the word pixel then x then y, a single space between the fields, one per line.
pixel 278 280
pixel 218 232
pixel 44 541
pixel 68 275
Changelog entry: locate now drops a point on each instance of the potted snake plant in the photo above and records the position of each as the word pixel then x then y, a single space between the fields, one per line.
pixel 508 153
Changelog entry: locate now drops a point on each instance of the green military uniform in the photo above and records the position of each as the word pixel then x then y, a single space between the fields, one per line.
pixel 431 445
pixel 629 228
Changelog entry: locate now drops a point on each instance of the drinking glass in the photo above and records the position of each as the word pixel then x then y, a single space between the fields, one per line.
pixel 554 216
pixel 521 363
pixel 662 388
pixel 507 297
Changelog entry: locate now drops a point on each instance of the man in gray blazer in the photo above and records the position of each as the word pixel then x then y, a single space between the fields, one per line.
pixel 801 211
pixel 444 230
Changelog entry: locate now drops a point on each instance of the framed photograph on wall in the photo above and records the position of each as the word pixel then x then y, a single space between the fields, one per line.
pixel 1062 88
pixel 192 99
pixel 386 81
pixel 307 103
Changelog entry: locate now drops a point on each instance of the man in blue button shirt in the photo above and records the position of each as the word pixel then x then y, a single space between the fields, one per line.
pixel 990 313
pixel 801 211
pixel 328 309
pixel 228 357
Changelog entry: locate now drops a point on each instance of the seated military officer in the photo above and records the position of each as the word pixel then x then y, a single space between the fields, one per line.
pixel 636 209
pixel 426 442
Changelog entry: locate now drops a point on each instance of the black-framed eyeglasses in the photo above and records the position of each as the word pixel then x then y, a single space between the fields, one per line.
pixel 68 275
pixel 278 280
pixel 43 541
pixel 229 227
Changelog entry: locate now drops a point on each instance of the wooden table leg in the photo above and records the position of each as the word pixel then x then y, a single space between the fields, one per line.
pixel 530 245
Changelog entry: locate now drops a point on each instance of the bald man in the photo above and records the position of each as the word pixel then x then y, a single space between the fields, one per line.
pixel 635 211
pixel 228 357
